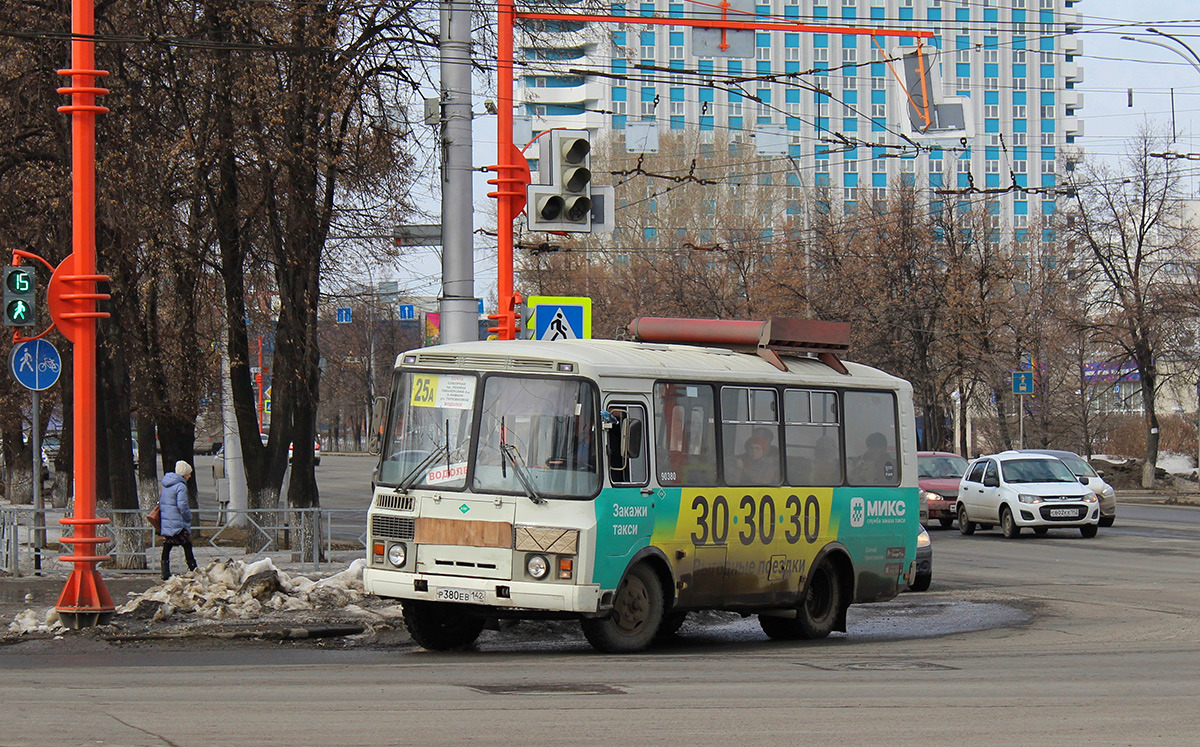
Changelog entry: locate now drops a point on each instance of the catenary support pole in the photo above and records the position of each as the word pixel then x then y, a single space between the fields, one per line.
pixel 459 307
pixel 85 600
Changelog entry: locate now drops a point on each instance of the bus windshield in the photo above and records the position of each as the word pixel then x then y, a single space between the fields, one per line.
pixel 546 426
pixel 432 414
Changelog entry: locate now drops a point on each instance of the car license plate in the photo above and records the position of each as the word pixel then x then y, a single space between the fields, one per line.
pixel 462 595
pixel 1064 513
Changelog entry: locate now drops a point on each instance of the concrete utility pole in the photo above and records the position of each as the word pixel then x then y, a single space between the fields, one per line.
pixel 459 307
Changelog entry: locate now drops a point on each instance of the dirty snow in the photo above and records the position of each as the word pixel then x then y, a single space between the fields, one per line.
pixel 29 622
pixel 229 590
pixel 1177 464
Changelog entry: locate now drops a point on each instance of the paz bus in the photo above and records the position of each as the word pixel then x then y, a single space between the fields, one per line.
pixel 705 464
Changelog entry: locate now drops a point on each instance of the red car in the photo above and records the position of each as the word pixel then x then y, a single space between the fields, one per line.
pixel 938 474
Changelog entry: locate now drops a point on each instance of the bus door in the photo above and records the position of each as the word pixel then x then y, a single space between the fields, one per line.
pixel 626 508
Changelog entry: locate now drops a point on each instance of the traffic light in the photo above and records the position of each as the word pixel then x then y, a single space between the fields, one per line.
pixel 565 204
pixel 20 287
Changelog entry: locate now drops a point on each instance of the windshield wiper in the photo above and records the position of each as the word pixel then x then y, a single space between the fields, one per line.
pixel 510 452
pixel 425 464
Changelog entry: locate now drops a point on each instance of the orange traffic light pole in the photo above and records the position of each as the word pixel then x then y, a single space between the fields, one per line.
pixel 513 171
pixel 72 299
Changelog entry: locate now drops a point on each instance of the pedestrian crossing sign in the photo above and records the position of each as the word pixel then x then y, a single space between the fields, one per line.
pixel 560 317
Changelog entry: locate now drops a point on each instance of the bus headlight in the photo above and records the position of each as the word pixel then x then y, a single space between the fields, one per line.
pixel 537 566
pixel 397 554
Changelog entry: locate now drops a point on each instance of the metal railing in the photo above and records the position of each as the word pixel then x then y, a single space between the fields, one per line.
pixel 338 535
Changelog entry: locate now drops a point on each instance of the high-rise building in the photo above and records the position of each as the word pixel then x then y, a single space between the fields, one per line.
pixel 1013 61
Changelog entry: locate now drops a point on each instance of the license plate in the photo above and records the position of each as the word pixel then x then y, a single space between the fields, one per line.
pixel 1064 513
pixel 461 595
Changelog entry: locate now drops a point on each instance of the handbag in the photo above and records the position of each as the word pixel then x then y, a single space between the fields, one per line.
pixel 155 519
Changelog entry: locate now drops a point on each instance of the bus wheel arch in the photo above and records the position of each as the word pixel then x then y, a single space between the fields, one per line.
pixel 658 562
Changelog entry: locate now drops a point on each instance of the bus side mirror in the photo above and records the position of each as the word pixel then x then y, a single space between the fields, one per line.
pixel 631 438
pixel 378 411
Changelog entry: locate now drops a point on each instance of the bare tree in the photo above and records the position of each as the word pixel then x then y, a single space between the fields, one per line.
pixel 1131 224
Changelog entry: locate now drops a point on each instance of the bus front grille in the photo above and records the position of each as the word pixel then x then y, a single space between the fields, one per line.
pixel 393 527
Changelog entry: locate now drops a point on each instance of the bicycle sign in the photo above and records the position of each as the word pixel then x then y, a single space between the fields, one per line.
pixel 35 364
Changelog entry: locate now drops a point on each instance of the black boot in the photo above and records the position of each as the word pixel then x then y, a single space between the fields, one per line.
pixel 166 562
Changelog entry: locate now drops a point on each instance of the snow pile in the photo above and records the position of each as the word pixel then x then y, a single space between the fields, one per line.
pixel 28 622
pixel 1176 464
pixel 230 589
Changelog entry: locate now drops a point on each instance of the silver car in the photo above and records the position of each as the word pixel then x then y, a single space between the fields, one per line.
pixel 1088 476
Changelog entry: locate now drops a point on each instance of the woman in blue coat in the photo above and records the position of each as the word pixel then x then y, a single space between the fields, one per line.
pixel 176 517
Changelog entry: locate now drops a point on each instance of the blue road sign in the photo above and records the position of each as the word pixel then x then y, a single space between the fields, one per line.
pixel 563 322
pixel 343 315
pixel 560 317
pixel 480 306
pixel 408 311
pixel 1022 382
pixel 35 364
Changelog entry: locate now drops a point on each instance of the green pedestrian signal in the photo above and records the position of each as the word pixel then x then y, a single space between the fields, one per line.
pixel 20 289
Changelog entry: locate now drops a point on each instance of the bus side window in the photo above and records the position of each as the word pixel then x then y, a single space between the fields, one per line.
pixel 812 438
pixel 686 434
pixel 871 438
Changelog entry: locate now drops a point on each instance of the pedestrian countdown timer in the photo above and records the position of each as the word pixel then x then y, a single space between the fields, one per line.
pixel 19 292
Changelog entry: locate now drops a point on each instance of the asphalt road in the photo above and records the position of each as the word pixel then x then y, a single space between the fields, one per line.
pixel 1099 643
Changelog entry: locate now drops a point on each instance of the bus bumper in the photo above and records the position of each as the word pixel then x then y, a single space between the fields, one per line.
pixel 482 591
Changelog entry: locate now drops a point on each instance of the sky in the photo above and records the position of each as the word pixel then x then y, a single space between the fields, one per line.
pixel 1112 67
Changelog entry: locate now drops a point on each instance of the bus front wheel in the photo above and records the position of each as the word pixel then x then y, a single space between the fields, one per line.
pixel 636 615
pixel 439 626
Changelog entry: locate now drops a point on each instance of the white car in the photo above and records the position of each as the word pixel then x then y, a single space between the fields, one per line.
pixel 1015 490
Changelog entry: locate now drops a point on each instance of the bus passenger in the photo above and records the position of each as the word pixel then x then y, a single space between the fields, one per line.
pixel 876 466
pixel 758 468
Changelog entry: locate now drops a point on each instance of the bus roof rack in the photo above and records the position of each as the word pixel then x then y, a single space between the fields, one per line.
pixel 770 339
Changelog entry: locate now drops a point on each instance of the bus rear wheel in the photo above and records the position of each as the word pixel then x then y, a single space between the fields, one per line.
pixel 637 614
pixel 441 627
pixel 817 613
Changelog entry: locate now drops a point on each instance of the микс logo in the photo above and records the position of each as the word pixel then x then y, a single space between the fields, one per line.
pixel 881 511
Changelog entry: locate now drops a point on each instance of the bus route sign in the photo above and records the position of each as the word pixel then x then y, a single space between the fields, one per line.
pixel 1022 382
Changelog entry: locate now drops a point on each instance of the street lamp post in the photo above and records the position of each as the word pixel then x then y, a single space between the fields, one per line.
pixel 1190 58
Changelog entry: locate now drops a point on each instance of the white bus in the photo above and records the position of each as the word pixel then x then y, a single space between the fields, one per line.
pixel 628 483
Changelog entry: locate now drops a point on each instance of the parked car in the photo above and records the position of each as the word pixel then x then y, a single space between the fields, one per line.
pixel 206 443
pixel 1018 490
pixel 316 453
pixel 51 443
pixel 924 572
pixel 938 475
pixel 1088 476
